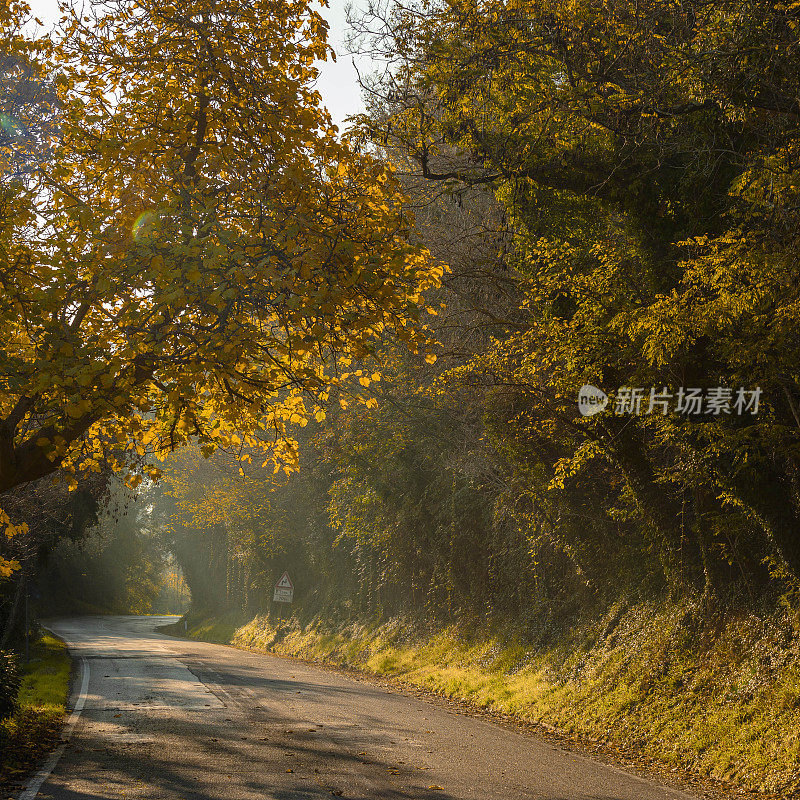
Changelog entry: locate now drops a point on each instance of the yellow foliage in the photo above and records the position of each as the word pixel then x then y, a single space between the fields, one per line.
pixel 199 255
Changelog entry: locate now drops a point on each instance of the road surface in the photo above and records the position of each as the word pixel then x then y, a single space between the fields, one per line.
pixel 174 719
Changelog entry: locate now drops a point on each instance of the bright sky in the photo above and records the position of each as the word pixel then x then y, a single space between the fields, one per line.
pixel 338 83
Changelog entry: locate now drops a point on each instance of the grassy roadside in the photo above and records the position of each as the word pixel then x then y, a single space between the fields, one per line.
pixel 717 697
pixel 34 728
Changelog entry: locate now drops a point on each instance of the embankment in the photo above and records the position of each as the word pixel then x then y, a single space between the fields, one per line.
pixel 717 695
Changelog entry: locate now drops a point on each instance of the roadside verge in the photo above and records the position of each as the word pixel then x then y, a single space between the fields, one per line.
pixel 34 728
pixel 662 684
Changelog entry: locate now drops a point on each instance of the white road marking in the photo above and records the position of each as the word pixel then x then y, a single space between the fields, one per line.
pixel 44 773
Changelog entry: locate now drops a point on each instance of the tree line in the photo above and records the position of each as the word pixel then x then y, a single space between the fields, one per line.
pixel 593 194
pixel 614 190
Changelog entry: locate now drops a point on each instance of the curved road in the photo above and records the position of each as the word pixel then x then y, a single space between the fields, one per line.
pixel 175 719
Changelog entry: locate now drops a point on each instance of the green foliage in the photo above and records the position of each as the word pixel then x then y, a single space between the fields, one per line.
pixel 115 567
pixel 649 174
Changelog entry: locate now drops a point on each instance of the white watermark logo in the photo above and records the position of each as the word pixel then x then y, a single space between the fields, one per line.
pixel 636 400
pixel 591 400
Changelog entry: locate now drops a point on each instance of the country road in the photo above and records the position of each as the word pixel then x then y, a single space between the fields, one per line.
pixel 168 718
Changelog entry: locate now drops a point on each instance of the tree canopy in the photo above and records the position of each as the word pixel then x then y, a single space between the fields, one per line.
pixel 186 247
pixel 646 154
pixel 196 254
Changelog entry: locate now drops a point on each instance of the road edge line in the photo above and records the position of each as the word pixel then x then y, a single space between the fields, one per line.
pixel 44 773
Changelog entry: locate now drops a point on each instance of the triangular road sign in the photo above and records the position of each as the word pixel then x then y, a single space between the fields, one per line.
pixel 284 582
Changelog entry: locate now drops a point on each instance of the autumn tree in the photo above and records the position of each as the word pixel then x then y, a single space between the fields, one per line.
pixel 199 256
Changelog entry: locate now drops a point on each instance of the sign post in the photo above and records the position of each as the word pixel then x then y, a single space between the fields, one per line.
pixel 284 591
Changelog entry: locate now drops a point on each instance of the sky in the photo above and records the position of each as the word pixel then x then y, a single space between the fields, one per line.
pixel 338 82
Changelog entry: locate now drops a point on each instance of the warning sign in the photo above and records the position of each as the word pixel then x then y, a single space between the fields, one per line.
pixel 284 590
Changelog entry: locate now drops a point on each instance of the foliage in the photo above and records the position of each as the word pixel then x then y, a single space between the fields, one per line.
pixel 194 253
pixel 614 190
pixel 115 565
pixel 52 514
pixel 648 169
pixel 613 187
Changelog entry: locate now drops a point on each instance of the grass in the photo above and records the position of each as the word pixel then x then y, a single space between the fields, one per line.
pixel 715 697
pixel 219 630
pixel 34 728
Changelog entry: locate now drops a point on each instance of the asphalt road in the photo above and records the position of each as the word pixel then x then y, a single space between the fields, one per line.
pixel 169 718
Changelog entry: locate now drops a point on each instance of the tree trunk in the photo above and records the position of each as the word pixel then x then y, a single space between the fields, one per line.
pixel 11 622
